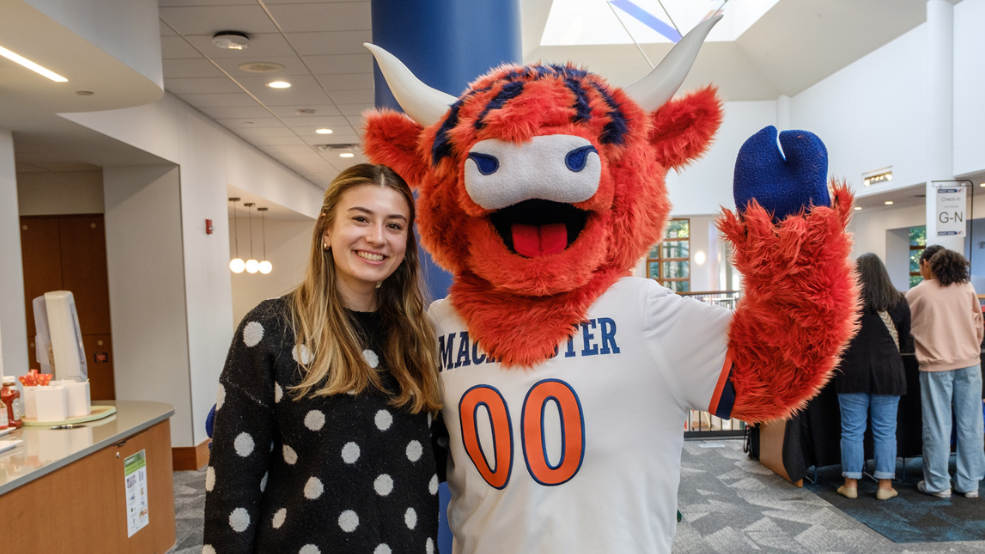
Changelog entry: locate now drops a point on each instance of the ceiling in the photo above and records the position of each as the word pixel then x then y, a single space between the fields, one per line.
pixel 319 44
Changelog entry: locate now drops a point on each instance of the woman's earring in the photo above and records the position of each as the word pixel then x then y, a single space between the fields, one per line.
pixel 324 245
pixel 379 284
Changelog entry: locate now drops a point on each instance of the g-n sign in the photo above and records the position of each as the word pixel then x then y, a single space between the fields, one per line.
pixel 950 210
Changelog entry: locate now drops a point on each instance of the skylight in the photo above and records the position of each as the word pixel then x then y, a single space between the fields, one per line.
pixel 588 22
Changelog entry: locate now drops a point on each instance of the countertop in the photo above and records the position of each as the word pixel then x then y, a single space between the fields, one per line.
pixel 45 450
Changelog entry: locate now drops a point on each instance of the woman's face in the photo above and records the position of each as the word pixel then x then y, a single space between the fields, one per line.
pixel 368 238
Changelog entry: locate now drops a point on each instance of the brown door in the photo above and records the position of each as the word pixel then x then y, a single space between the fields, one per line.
pixel 68 252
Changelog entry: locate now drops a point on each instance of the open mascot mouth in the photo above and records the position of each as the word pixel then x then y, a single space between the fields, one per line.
pixel 536 228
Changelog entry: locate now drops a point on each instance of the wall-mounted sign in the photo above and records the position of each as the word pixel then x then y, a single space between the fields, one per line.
pixel 950 210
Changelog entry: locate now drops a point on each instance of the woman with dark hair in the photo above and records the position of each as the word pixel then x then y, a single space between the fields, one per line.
pixel 871 378
pixel 322 439
pixel 947 331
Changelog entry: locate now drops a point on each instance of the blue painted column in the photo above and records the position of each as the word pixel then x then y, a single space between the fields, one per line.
pixel 446 44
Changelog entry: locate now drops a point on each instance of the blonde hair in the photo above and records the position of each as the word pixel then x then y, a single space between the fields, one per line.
pixel 323 328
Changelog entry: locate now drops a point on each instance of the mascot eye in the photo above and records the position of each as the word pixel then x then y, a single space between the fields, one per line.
pixel 576 159
pixel 487 164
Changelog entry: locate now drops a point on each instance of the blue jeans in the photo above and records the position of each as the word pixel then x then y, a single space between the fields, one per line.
pixel 855 411
pixel 939 390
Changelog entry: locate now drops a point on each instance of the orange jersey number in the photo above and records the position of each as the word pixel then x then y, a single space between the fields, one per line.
pixel 572 429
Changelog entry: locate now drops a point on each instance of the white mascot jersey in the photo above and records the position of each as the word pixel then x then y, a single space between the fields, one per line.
pixel 581 453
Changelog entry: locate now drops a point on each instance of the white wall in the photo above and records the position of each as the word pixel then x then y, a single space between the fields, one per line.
pixel 60 192
pixel 873 113
pixel 13 322
pixel 706 185
pixel 210 159
pixel 884 232
pixel 147 290
pixel 128 30
pixel 287 249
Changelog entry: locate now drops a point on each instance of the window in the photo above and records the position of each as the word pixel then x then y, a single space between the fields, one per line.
pixel 918 241
pixel 669 262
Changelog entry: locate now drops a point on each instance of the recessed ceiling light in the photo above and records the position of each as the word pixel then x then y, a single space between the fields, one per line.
pixel 888 202
pixel 346 155
pixel 857 208
pixel 323 131
pixel 279 84
pixel 982 185
pixel 17 58
pixel 231 40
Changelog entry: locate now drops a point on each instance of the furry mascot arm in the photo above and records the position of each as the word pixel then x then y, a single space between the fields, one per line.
pixel 800 297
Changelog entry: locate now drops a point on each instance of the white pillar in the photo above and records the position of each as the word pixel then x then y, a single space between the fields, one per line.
pixel 13 352
pixel 940 99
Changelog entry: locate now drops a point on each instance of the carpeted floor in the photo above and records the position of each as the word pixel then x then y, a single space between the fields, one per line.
pixel 911 516
pixel 730 504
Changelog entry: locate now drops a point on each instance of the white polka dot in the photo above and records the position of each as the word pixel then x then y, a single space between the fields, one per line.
pixel 315 420
pixel 383 485
pixel 414 451
pixel 410 518
pixel 382 549
pixel 239 520
pixel 433 485
pixel 313 488
pixel 220 397
pixel 263 481
pixel 348 521
pixel 279 518
pixel 429 546
pixel 371 358
pixel 301 354
pixel 350 453
pixel 430 419
pixel 383 420
pixel 243 444
pixel 309 549
pixel 209 479
pixel 252 333
pixel 278 392
pixel 207 549
pixel 290 456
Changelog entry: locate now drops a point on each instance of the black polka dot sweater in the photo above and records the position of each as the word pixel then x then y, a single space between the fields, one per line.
pixel 345 473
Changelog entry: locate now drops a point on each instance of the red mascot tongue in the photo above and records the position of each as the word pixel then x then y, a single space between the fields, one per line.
pixel 532 240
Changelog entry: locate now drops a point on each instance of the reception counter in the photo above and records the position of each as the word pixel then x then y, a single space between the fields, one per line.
pixel 103 486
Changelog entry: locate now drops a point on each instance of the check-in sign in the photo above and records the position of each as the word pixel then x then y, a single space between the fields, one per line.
pixel 951 204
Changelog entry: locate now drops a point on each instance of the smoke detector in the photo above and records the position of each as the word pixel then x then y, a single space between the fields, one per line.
pixel 231 40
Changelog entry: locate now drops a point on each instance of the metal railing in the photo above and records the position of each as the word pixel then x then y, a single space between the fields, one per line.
pixel 703 424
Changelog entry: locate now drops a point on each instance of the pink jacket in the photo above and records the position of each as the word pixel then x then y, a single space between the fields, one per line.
pixel 946 325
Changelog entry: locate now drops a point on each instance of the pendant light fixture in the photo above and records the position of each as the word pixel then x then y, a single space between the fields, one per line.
pixel 265 266
pixel 236 265
pixel 252 265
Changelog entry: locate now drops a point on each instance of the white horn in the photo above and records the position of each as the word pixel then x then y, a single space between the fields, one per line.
pixel 422 103
pixel 660 85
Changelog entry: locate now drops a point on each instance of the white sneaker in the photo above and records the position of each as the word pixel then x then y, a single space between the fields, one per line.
pixel 946 493
pixel 969 494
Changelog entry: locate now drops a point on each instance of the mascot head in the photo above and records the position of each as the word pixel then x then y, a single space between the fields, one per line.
pixel 541 185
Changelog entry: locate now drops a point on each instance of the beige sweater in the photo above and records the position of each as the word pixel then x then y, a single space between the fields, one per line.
pixel 946 325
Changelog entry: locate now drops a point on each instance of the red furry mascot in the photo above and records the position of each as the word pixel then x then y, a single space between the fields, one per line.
pixel 567 382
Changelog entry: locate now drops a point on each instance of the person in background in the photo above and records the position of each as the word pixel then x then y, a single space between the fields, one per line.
pixel 947 331
pixel 322 425
pixel 871 378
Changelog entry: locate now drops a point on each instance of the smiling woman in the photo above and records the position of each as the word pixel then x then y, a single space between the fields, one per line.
pixel 339 378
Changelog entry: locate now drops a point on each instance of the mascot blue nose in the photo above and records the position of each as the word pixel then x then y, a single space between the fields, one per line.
pixel 782 182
